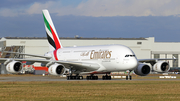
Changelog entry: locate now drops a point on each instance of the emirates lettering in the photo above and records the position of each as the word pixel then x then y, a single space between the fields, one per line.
pixel 100 54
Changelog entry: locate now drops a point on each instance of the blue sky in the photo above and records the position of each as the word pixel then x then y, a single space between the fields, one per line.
pixel 93 18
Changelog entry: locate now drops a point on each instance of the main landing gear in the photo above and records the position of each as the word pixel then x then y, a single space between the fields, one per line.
pixel 77 77
pixel 106 77
pixel 71 77
pixel 92 77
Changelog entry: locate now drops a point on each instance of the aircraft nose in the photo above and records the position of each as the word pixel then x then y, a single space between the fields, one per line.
pixel 133 63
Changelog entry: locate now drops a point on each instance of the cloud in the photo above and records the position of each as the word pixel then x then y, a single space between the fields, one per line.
pixel 36 8
pixel 11 8
pixel 8 13
pixel 128 8
pixel 97 8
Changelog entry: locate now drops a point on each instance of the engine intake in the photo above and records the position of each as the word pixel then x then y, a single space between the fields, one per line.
pixel 14 67
pixel 161 66
pixel 142 70
pixel 57 69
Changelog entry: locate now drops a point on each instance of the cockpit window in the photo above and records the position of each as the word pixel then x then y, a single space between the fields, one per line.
pixel 129 55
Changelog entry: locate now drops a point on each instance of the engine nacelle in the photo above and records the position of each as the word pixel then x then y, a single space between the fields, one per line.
pixel 161 66
pixel 57 69
pixel 142 69
pixel 14 67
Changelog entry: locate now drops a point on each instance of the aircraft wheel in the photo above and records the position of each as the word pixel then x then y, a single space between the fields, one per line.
pixel 109 77
pixel 130 77
pixel 87 77
pixel 96 77
pixel 126 77
pixel 103 77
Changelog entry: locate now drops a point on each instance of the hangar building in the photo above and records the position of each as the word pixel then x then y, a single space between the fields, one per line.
pixel 144 48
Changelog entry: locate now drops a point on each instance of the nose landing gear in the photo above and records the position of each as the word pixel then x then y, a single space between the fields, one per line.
pixel 129 76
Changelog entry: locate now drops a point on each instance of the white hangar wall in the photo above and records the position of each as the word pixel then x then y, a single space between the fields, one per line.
pixel 142 47
pixel 167 50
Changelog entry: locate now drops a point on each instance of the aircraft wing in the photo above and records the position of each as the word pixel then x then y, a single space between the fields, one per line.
pixel 155 60
pixel 27 54
pixel 28 60
pixel 86 66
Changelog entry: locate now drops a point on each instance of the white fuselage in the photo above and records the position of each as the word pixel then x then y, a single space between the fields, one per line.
pixel 111 57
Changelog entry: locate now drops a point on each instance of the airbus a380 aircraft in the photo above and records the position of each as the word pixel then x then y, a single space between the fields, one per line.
pixel 90 60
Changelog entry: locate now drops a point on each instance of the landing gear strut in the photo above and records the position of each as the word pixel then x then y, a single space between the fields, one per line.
pixel 129 76
pixel 106 77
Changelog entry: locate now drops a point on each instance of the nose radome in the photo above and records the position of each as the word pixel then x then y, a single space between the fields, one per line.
pixel 133 63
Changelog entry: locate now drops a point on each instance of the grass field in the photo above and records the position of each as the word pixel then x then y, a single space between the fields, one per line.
pixel 120 90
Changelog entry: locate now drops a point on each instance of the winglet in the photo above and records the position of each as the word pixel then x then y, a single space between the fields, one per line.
pixel 52 36
pixel 174 59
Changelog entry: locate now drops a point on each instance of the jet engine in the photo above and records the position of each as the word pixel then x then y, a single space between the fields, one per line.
pixel 14 67
pixel 57 69
pixel 142 69
pixel 161 66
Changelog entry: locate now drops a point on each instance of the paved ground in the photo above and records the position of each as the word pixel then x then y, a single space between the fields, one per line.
pixel 30 78
pixel 25 78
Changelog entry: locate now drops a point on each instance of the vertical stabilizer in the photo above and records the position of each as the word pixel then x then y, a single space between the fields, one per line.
pixel 52 36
